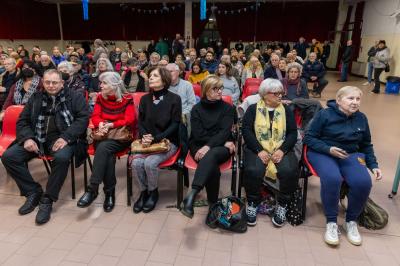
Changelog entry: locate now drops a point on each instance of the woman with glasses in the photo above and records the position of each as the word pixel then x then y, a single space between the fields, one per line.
pixel 209 144
pixel 28 82
pixel 270 133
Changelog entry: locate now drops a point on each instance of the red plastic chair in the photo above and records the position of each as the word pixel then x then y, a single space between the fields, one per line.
pixel 227 99
pixel 197 89
pixel 252 82
pixel 249 90
pixel 9 130
pixel 187 74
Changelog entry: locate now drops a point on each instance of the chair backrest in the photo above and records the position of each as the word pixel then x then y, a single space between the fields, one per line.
pixel 10 119
pixel 197 89
pixel 137 96
pixel 250 90
pixel 252 82
pixel 187 74
pixel 227 99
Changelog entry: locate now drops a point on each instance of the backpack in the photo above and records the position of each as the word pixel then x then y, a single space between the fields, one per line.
pixel 373 217
pixel 228 213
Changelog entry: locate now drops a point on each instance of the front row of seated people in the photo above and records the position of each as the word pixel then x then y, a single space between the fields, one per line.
pixel 54 123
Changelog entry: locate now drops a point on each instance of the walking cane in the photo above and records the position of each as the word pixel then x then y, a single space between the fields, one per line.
pixel 396 181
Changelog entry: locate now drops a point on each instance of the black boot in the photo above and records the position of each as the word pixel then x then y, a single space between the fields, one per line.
pixel 89 196
pixel 151 201
pixel 187 204
pixel 109 201
pixel 45 208
pixel 138 206
pixel 32 200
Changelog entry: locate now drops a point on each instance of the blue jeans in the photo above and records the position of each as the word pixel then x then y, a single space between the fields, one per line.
pixel 343 74
pixel 332 171
pixel 370 70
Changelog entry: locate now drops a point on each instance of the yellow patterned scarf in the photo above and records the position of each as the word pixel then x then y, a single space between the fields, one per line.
pixel 270 141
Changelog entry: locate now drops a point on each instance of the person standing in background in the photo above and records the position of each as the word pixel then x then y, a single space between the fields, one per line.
pixel 371 57
pixel 326 53
pixel 346 59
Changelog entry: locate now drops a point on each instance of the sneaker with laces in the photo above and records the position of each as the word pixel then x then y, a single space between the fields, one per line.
pixel 279 218
pixel 353 235
pixel 251 212
pixel 332 234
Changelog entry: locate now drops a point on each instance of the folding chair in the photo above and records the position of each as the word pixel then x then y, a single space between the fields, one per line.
pixel 9 129
pixel 197 90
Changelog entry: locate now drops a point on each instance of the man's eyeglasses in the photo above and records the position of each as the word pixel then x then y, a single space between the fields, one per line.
pixel 277 94
pixel 48 82
pixel 217 89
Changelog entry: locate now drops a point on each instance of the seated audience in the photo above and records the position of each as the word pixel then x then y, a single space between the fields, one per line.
pixel 135 80
pixel 154 60
pixel 73 82
pixel 198 74
pixel 273 70
pixel 57 57
pixel 100 48
pixel 298 58
pixel 112 110
pixel 53 122
pixel 184 89
pixel 191 60
pixel 252 69
pixel 28 82
pixel 122 65
pixel 8 78
pixel 236 63
pixel 45 64
pixel 209 144
pixel 231 86
pixel 160 113
pixel 270 133
pixel 234 72
pixel 340 150
pixel 314 71
pixel 209 63
pixel 142 61
pixel 102 65
pixel 293 86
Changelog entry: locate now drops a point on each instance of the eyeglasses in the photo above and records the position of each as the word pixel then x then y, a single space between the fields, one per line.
pixel 276 94
pixel 216 89
pixel 48 82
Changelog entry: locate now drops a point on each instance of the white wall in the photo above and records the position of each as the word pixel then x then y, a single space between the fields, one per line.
pixel 378 25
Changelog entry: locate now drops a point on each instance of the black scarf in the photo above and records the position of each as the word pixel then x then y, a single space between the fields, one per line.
pixel 40 130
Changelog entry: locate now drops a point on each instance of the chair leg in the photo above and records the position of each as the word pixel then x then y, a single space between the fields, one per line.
pixel 90 163
pixel 129 191
pixel 179 190
pixel 73 177
pixel 234 176
pixel 305 188
pixel 85 175
pixel 46 166
pixel 185 173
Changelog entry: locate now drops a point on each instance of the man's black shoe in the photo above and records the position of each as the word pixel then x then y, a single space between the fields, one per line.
pixel 45 208
pixel 87 198
pixel 32 200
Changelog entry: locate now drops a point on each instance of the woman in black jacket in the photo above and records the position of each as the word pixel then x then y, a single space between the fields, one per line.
pixel 135 80
pixel 270 133
pixel 209 144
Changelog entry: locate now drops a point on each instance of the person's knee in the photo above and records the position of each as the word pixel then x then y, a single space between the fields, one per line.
pixel 11 156
pixel 361 184
pixel 137 163
pixel 62 157
pixel 150 165
pixel 102 148
pixel 331 180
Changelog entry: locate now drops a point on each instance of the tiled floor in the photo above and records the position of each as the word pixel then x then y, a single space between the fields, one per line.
pixel 164 237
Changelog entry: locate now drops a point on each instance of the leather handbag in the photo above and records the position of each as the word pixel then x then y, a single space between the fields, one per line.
pixel 160 147
pixel 121 134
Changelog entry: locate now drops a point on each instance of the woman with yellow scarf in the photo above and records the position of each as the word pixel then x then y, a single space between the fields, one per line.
pixel 270 133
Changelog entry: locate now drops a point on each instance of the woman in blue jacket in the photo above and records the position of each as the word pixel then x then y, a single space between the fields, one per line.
pixel 340 149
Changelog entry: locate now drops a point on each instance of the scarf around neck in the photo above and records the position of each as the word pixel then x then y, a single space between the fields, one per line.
pixel 19 86
pixel 270 140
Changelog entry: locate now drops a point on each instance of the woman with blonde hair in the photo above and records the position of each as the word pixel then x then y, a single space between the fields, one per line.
pixel 340 149
pixel 252 69
pixel 209 144
pixel 112 110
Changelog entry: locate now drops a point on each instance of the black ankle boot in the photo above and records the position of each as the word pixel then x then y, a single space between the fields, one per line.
pixel 109 201
pixel 187 204
pixel 151 201
pixel 88 197
pixel 138 206
pixel 45 208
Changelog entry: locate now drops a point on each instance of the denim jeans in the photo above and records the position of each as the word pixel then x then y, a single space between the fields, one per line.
pixel 343 74
pixel 370 70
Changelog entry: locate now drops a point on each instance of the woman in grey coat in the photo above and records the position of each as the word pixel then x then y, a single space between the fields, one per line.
pixel 382 57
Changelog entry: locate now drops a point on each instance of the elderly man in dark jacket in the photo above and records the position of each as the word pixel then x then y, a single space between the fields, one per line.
pixel 54 123
pixel 314 71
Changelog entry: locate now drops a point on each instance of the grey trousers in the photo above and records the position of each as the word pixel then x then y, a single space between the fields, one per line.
pixel 146 168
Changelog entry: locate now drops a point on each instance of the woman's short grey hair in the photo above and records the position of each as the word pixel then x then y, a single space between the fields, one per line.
pixel 295 65
pixel 108 64
pixel 67 65
pixel 347 90
pixel 124 55
pixel 12 60
pixel 270 85
pixel 113 79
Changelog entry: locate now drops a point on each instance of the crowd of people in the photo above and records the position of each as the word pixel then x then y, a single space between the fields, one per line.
pixel 63 91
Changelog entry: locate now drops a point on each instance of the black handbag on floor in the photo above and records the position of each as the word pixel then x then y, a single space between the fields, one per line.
pixel 228 213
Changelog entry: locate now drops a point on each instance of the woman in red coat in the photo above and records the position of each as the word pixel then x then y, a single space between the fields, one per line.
pixel 112 110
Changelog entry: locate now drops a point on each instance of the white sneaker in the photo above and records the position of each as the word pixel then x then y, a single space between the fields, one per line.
pixel 332 234
pixel 353 235
pixel 366 83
